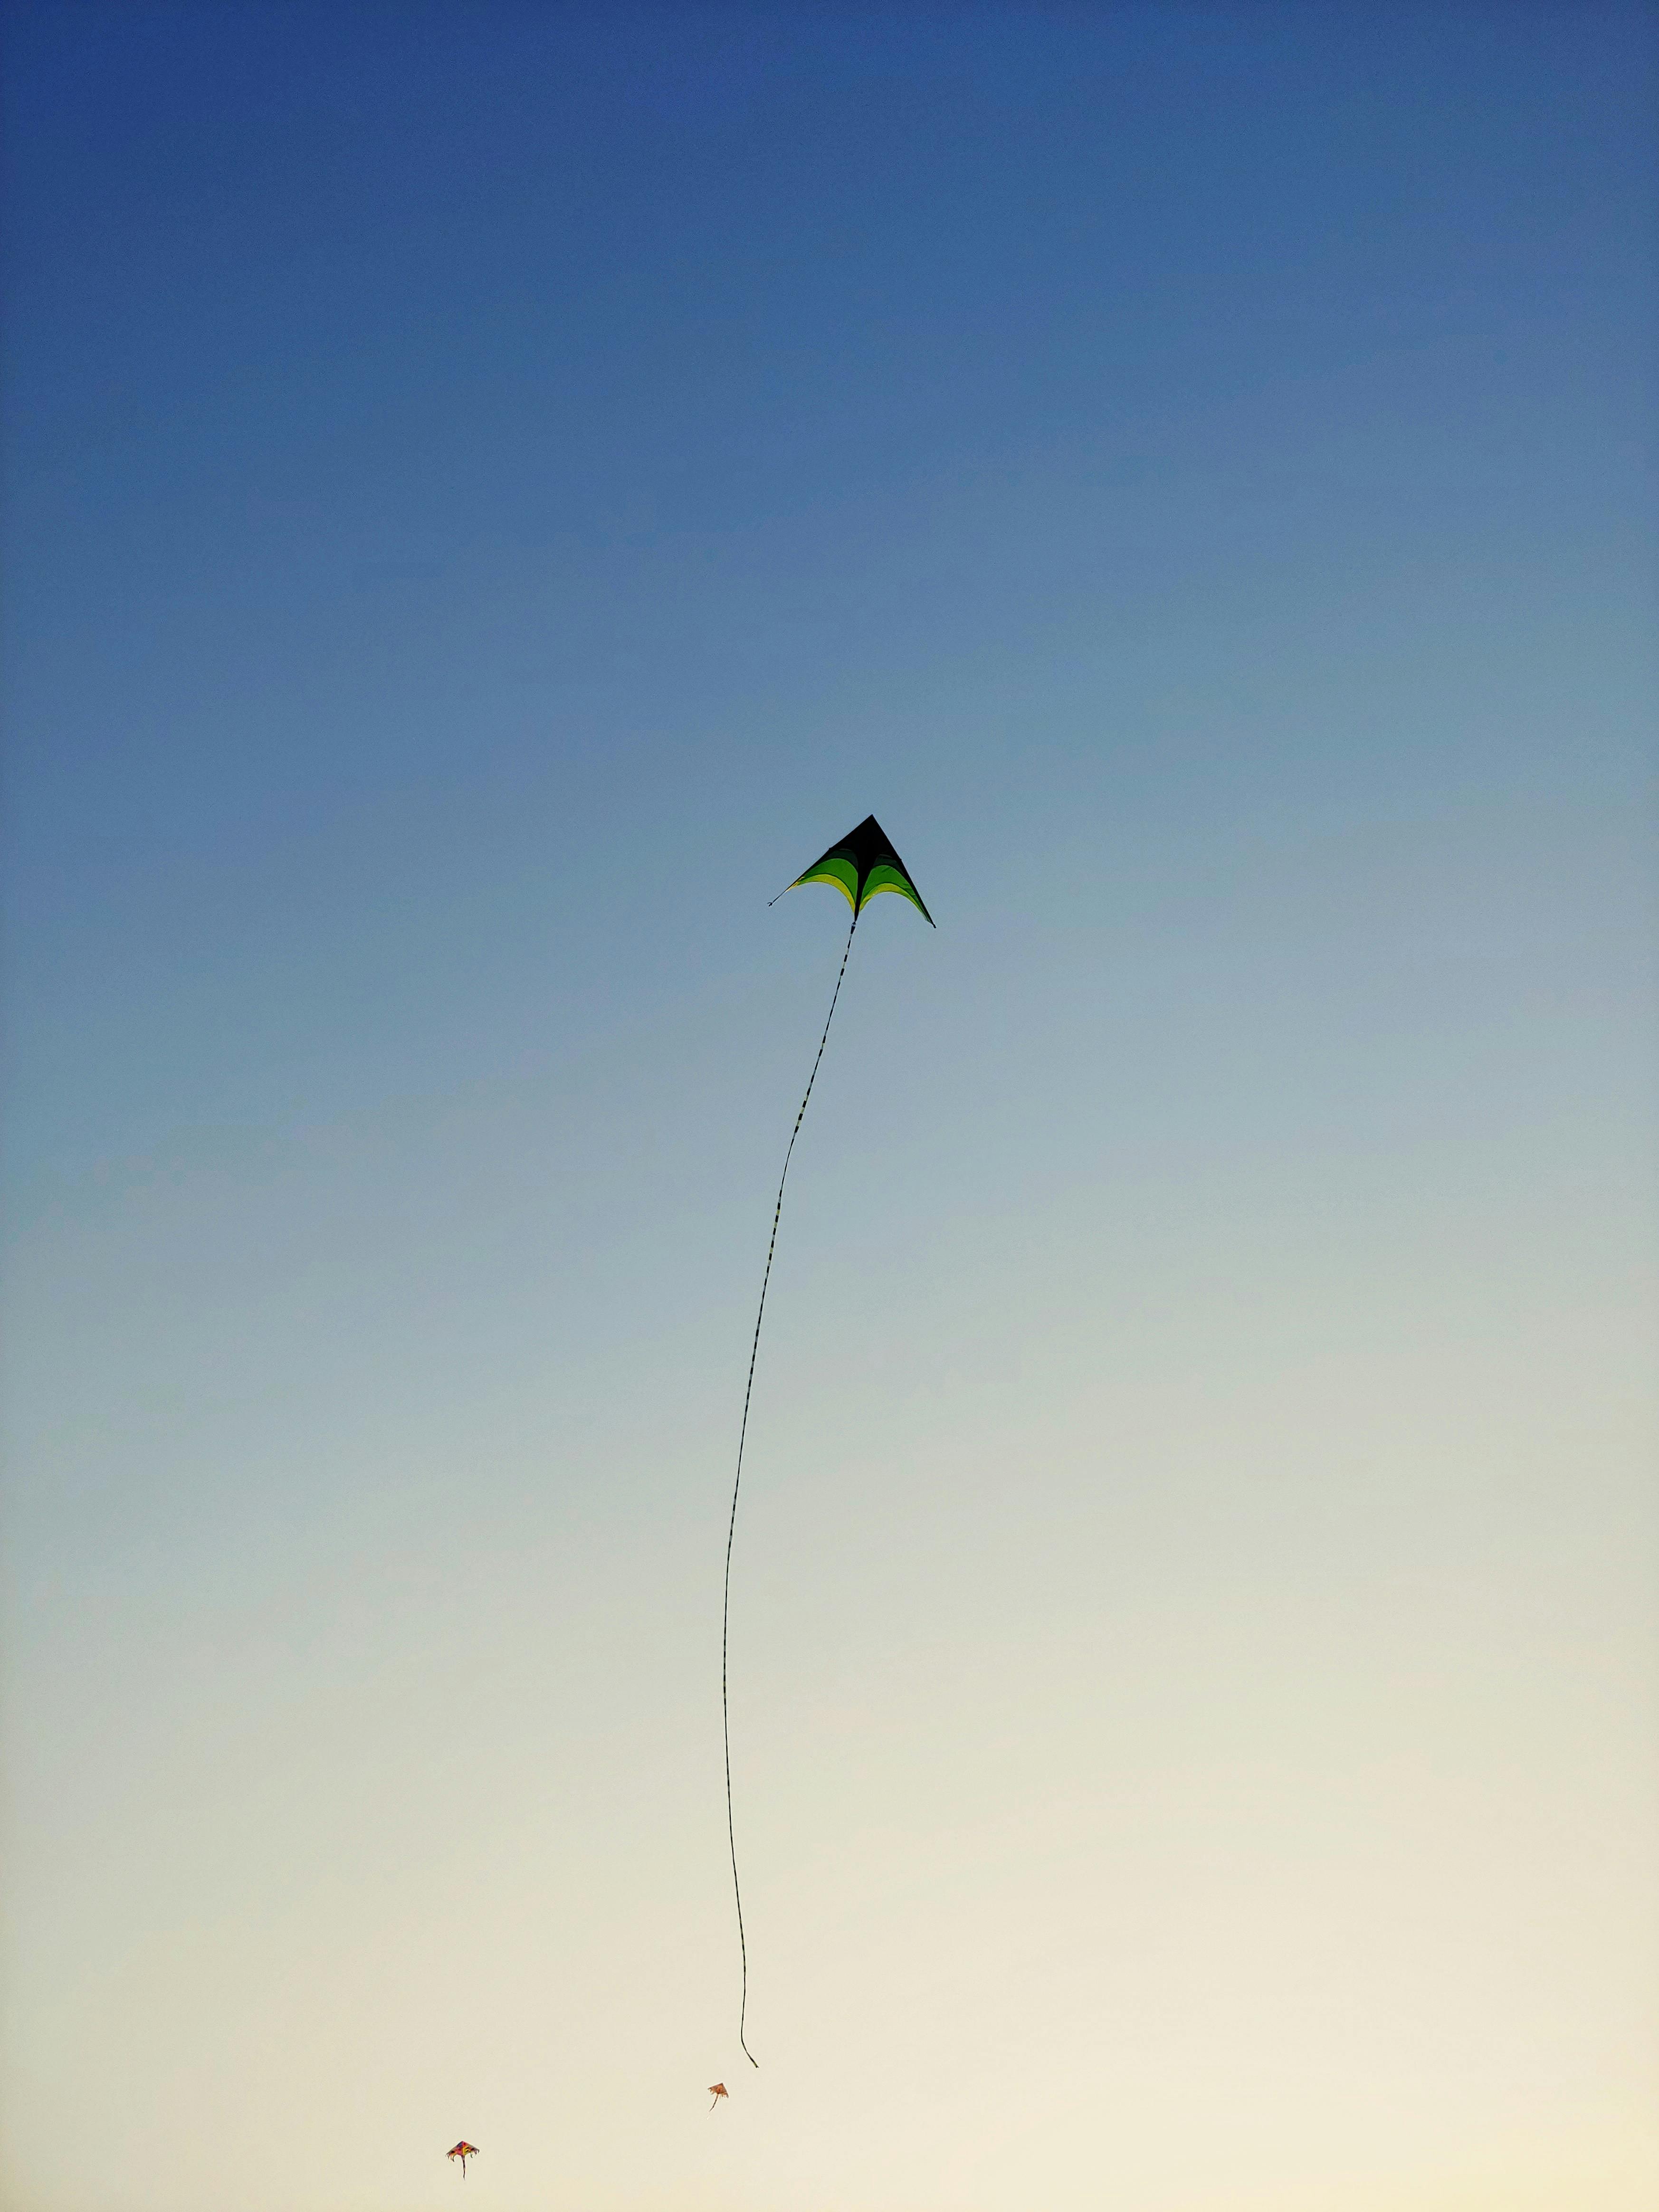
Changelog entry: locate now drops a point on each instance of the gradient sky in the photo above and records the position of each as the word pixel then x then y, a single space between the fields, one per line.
pixel 491 492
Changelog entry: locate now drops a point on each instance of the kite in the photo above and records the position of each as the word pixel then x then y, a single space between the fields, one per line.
pixel 717 2090
pixel 463 2151
pixel 860 867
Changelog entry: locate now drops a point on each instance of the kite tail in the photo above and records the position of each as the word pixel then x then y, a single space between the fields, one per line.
pixel 726 1611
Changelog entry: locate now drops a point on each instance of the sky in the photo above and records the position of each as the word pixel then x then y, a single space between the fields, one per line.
pixel 490 493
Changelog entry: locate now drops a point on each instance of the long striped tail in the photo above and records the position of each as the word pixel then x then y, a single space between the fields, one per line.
pixel 749 1388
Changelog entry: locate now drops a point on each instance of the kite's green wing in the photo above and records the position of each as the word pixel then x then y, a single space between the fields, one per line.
pixel 863 864
pixel 834 868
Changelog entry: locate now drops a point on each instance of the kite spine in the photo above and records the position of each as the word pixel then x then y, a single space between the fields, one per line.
pixel 732 1528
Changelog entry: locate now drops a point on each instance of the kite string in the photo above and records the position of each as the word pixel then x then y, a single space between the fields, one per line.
pixel 725 1610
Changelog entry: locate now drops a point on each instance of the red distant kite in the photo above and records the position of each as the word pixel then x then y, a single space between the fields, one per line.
pixel 716 2090
pixel 463 2151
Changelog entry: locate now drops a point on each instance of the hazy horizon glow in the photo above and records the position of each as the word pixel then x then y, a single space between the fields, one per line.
pixel 490 494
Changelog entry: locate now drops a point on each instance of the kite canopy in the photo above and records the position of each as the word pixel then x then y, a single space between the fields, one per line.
pixel 862 864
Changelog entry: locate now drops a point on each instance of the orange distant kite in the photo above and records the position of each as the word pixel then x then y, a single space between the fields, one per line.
pixel 463 2151
pixel 716 2090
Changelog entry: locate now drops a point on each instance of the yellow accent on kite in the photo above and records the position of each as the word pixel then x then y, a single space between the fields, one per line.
pixel 881 878
pixel 841 873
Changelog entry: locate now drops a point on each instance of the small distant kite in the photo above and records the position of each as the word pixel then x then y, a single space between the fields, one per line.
pixel 862 865
pixel 717 2090
pixel 463 2151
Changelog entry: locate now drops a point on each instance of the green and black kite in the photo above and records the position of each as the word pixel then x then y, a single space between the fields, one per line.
pixel 863 864
pixel 860 867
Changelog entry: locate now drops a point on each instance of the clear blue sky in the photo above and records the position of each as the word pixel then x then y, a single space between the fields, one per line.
pixel 490 493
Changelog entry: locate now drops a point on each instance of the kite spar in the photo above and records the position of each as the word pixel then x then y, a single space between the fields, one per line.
pixel 862 865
